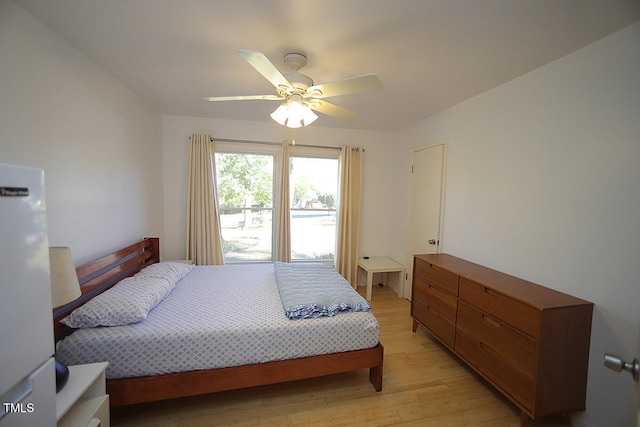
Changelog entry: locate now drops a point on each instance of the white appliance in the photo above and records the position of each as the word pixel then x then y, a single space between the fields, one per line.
pixel 27 372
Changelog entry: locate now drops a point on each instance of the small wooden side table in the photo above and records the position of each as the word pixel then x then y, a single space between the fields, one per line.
pixel 381 265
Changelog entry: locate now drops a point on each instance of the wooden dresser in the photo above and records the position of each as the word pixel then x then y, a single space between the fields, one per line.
pixel 528 341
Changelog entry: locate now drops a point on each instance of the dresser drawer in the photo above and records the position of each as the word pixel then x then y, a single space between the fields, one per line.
pixel 487 361
pixel 443 303
pixel 509 310
pixel 434 274
pixel 518 348
pixel 435 322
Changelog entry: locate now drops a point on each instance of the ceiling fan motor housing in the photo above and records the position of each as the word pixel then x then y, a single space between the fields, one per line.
pixel 300 82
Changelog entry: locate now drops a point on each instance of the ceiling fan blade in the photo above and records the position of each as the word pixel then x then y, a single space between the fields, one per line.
pixel 332 110
pixel 261 63
pixel 244 98
pixel 343 87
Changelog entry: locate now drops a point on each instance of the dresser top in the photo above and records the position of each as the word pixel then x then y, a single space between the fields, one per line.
pixel 528 292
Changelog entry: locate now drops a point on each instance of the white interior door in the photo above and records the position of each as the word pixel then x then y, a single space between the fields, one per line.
pixel 427 201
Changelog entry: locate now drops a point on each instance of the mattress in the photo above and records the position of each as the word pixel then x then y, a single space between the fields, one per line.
pixel 217 316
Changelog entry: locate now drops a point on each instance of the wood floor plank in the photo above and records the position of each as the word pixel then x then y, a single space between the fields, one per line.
pixel 423 385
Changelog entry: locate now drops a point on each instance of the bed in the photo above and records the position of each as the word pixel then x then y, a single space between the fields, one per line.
pixel 287 359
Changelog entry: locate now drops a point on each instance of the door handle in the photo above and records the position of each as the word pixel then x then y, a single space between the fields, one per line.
pixel 431 241
pixel 616 363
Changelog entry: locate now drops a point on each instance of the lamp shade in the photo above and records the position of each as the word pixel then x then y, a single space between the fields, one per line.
pixel 308 116
pixel 281 114
pixel 64 280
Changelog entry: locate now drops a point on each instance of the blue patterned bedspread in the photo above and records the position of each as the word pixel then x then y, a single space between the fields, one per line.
pixel 309 290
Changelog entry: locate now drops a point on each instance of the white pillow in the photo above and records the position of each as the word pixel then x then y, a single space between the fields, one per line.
pixel 173 271
pixel 128 301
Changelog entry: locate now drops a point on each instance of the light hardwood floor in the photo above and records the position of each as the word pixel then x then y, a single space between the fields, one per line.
pixel 423 385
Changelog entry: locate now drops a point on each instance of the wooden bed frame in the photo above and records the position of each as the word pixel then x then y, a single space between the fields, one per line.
pixel 101 274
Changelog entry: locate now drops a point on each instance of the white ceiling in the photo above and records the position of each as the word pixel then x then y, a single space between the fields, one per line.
pixel 429 54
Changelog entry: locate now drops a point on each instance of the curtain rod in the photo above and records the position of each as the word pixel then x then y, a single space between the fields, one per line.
pixel 249 141
pixel 245 141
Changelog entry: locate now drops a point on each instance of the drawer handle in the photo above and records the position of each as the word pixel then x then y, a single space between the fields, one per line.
pixel 490 321
pixel 433 267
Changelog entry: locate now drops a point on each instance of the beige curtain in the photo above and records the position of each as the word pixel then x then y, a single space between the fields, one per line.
pixel 349 213
pixel 283 236
pixel 204 241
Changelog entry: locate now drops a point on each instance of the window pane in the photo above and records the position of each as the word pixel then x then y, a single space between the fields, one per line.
pixel 246 234
pixel 313 235
pixel 314 187
pixel 245 199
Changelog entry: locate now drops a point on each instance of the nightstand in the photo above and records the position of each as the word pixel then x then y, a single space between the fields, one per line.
pixel 381 265
pixel 83 401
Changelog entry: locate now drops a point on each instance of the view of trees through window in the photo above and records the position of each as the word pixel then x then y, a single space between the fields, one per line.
pixel 313 183
pixel 245 200
pixel 245 186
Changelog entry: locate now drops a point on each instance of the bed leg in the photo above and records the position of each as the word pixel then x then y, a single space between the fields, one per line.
pixel 375 376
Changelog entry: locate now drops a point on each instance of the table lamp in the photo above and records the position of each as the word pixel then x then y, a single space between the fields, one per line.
pixel 64 289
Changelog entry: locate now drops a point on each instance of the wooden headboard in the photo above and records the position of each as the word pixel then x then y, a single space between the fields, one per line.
pixel 99 275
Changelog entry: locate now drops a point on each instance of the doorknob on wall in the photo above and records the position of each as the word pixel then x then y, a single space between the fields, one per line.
pixel 431 241
pixel 616 363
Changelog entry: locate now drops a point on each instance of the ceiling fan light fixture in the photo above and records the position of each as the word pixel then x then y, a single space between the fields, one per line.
pixel 294 114
pixel 300 113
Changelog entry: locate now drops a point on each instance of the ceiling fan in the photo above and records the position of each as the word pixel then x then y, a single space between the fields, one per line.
pixel 298 91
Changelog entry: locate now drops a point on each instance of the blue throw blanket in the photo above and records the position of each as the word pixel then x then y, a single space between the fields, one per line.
pixel 315 290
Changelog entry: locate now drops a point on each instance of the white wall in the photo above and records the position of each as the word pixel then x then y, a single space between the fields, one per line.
pixel 543 182
pixel 99 144
pixel 376 176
